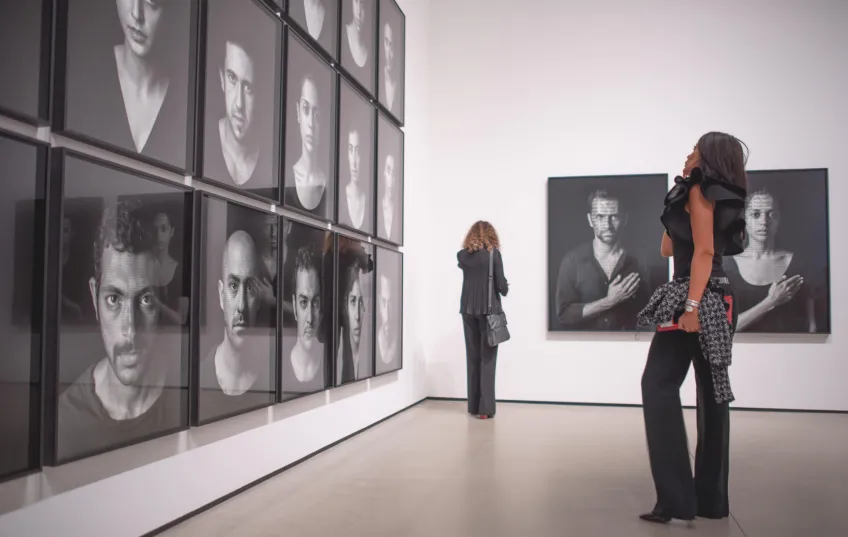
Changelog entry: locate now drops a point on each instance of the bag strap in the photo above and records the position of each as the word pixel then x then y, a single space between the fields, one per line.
pixel 491 277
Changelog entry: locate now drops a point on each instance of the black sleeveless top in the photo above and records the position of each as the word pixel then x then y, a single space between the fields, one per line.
pixel 728 220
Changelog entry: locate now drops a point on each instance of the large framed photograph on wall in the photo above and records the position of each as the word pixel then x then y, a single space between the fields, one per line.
pixel 389 341
pixel 26 33
pixel 604 260
pixel 22 217
pixel 320 20
pixel 392 50
pixel 358 36
pixel 390 167
pixel 355 311
pixel 357 123
pixel 237 325
pixel 310 185
pixel 782 278
pixel 126 77
pixel 307 304
pixel 242 80
pixel 121 370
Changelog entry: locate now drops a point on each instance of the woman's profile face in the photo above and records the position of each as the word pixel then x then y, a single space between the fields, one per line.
pixel 164 231
pixel 140 22
pixel 761 217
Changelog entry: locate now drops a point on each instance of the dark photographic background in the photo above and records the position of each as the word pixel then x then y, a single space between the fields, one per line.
pixel 302 61
pixel 801 196
pixel 220 220
pixel 355 111
pixel 239 18
pixel 21 56
pixel 22 215
pixel 390 266
pixel 363 75
pixel 641 197
pixel 89 187
pixel 348 251
pixel 328 39
pixel 389 142
pixel 391 14
pixel 298 235
pixel 94 103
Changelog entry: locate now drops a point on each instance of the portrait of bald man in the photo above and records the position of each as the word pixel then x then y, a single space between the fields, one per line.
pixel 243 83
pixel 310 121
pixel 238 330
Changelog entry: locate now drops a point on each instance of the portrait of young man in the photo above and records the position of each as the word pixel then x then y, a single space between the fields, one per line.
pixel 356 151
pixel 602 269
pixel 243 73
pixel 389 182
pixel 392 58
pixel 238 331
pixel 310 121
pixel 136 54
pixel 358 37
pixel 389 310
pixel 125 392
pixel 355 309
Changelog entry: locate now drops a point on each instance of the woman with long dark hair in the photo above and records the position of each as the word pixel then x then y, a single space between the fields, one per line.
pixel 481 241
pixel 694 313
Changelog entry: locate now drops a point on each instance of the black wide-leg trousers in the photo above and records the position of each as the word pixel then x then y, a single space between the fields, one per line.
pixel 481 360
pixel 678 494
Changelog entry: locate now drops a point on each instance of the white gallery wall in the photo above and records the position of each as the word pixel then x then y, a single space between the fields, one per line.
pixel 132 491
pixel 520 91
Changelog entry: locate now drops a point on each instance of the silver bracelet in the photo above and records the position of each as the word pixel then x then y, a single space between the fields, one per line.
pixel 693 303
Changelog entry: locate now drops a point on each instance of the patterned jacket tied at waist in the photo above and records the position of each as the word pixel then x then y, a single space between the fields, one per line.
pixel 716 336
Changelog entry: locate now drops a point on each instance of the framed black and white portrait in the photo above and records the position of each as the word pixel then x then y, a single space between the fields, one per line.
pixel 26 31
pixel 389 181
pixel 357 121
pixel 604 259
pixel 320 20
pixel 310 185
pixel 782 278
pixel 243 81
pixel 307 305
pixel 358 37
pixel 389 340
pixel 355 310
pixel 127 77
pixel 123 352
pixel 392 67
pixel 237 326
pixel 22 217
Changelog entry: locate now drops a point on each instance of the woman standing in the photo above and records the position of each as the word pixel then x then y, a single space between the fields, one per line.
pixel 703 218
pixel 480 242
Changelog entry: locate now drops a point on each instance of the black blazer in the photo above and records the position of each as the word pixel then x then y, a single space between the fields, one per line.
pixel 475 282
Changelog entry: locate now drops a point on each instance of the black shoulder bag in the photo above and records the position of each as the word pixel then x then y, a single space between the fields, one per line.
pixel 496 330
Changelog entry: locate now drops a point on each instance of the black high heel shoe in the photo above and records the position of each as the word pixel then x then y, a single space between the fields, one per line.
pixel 660 518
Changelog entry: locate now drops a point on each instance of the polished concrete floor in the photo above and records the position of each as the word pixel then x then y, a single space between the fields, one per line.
pixel 539 470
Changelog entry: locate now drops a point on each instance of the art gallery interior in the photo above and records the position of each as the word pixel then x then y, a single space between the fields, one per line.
pixel 289 130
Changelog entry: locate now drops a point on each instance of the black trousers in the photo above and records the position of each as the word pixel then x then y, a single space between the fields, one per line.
pixel 679 494
pixel 481 360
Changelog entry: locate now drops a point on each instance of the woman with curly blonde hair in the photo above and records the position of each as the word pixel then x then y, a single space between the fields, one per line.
pixel 480 242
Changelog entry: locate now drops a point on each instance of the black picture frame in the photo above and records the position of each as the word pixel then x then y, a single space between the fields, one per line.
pixel 391 9
pixel 788 219
pixel 321 242
pixel 385 257
pixel 355 254
pixel 213 172
pixel 22 316
pixel 363 78
pixel 575 277
pixel 328 40
pixel 26 67
pixel 78 101
pixel 179 328
pixel 253 224
pixel 350 97
pixel 385 125
pixel 325 210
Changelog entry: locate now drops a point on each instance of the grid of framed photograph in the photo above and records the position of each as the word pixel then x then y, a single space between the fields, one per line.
pixel 158 304
pixel 603 258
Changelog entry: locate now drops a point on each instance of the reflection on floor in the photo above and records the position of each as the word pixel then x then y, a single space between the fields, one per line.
pixel 539 471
